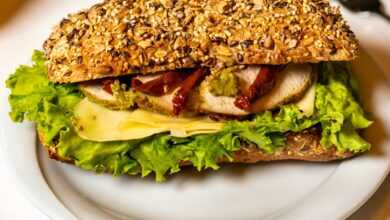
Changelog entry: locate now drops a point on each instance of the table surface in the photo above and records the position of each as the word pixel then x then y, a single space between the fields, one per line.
pixel 15 206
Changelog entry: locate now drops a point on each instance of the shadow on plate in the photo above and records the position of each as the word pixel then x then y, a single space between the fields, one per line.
pixel 233 171
pixel 369 76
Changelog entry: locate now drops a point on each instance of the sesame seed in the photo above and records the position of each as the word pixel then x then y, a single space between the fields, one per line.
pixel 224 32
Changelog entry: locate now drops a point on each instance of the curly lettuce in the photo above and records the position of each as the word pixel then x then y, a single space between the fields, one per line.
pixel 338 112
pixel 33 97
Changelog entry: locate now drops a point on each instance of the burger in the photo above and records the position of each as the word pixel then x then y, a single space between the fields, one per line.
pixel 147 87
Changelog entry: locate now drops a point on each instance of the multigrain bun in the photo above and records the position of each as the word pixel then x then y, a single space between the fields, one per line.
pixel 119 37
pixel 303 146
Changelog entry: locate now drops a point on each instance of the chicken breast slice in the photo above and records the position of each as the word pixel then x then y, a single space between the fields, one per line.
pixel 162 104
pixel 290 85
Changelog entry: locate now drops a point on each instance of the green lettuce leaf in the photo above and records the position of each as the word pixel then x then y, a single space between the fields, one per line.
pixel 162 153
pixel 35 98
pixel 267 129
pixel 50 105
pixel 339 114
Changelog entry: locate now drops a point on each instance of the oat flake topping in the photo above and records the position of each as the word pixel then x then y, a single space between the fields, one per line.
pixel 119 37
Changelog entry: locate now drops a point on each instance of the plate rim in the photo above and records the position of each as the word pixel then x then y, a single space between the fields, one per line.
pixel 50 205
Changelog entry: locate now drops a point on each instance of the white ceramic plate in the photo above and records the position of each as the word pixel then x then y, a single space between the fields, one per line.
pixel 281 190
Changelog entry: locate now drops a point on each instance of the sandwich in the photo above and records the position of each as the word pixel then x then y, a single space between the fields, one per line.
pixel 145 87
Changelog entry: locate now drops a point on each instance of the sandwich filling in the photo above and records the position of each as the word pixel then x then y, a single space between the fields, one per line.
pixel 234 91
pixel 142 124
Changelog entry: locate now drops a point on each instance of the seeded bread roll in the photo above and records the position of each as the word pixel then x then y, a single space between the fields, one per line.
pixel 119 37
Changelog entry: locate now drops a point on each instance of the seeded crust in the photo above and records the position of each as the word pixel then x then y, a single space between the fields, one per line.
pixel 303 146
pixel 119 37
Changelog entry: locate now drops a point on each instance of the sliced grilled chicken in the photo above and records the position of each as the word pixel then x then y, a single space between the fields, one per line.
pixel 204 101
pixel 154 103
pixel 96 93
pixel 247 76
pixel 157 104
pixel 290 85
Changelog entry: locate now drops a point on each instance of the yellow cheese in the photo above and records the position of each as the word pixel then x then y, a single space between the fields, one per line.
pixel 97 123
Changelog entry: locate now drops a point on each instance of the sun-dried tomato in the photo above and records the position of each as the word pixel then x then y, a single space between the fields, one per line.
pixel 180 98
pixel 107 85
pixel 264 82
pixel 161 85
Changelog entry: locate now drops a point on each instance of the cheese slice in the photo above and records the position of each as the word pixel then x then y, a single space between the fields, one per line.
pixel 97 123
